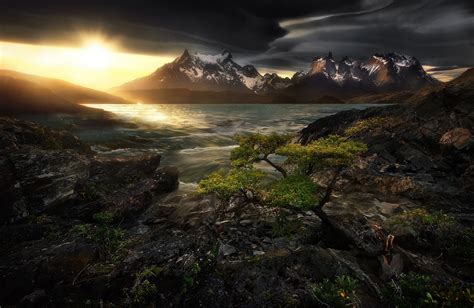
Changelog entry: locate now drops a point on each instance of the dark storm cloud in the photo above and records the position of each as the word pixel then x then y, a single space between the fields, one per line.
pixel 275 34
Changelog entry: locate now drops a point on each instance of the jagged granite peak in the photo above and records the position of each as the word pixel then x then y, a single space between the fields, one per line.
pixel 219 72
pixel 196 71
pixel 323 65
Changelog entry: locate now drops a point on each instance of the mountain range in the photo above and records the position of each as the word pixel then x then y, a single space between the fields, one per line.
pixel 381 73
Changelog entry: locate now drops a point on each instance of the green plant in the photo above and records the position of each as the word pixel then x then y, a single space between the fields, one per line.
pixel 102 233
pixel 415 290
pixel 366 124
pixel 236 181
pixel 284 226
pixel 89 192
pixel 46 139
pixel 191 276
pixel 442 231
pixel 295 189
pixel 144 292
pixel 337 293
pixel 150 271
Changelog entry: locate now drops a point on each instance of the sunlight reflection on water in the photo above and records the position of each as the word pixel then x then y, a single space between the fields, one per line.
pixel 197 138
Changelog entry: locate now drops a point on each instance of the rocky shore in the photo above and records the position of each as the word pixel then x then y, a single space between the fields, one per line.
pixel 81 230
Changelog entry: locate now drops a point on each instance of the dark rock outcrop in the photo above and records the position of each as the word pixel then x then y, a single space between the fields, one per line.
pixel 422 150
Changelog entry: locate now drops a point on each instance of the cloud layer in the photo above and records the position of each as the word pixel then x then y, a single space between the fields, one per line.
pixel 282 34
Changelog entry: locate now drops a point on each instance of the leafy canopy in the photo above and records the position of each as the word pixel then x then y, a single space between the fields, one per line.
pixel 325 152
pixel 226 184
pixel 295 189
pixel 255 147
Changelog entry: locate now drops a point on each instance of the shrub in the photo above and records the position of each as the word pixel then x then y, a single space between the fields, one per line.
pixel 102 233
pixel 144 292
pixel 337 293
pixel 225 185
pixel 415 290
pixel 89 192
pixel 366 124
pixel 294 191
pixel 442 231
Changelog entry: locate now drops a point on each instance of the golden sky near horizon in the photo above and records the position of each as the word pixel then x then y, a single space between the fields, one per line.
pixel 96 65
pixel 101 65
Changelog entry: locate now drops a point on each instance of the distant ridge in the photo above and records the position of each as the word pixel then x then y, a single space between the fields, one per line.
pixel 29 94
pixel 380 73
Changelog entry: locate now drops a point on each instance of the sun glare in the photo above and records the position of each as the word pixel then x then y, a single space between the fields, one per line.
pixel 98 63
pixel 96 56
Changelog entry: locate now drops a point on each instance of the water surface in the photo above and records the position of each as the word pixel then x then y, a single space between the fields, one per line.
pixel 197 138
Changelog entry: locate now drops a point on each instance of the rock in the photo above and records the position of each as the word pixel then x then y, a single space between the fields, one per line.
pixel 227 250
pixel 222 226
pixel 45 178
pixel 167 178
pixel 458 138
pixel 34 299
pixel 121 171
pixel 258 253
pixel 245 222
pixel 390 266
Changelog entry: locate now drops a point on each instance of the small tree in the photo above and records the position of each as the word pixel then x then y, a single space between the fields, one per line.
pixel 295 189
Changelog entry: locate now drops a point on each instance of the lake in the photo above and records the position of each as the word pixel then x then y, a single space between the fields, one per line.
pixel 196 138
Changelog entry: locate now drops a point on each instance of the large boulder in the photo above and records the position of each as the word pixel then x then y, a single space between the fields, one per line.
pixel 39 179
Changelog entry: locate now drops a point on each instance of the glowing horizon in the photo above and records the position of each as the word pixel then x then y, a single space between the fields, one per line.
pixel 101 65
pixel 97 64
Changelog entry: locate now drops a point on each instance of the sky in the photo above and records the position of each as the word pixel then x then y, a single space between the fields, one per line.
pixel 104 43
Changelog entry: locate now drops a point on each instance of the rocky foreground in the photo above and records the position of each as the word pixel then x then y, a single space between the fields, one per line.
pixel 81 230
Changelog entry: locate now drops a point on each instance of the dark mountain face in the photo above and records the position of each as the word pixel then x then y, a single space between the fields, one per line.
pixel 206 73
pixel 347 77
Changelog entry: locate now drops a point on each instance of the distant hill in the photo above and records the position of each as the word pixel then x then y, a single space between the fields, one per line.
pixel 344 79
pixel 24 93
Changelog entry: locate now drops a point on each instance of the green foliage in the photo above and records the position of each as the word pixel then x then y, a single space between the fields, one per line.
pixel 46 139
pixel 365 125
pixel 325 152
pixel 144 292
pixel 145 289
pixel 225 185
pixel 102 233
pixel 150 271
pixel 295 191
pixel 337 293
pixel 190 277
pixel 255 146
pixel 415 290
pixel 286 227
pixel 89 192
pixel 441 231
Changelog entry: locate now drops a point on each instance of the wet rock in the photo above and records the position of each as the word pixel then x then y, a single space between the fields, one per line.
pixel 45 179
pixel 227 250
pixel 245 222
pixel 35 298
pixel 167 178
pixel 458 138
pixel 119 171
pixel 222 226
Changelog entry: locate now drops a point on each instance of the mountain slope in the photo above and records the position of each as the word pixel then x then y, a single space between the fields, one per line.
pixel 207 73
pixel 343 79
pixel 66 90
pixel 29 94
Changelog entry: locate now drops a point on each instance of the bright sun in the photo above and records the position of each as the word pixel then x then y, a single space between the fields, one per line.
pixel 95 56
